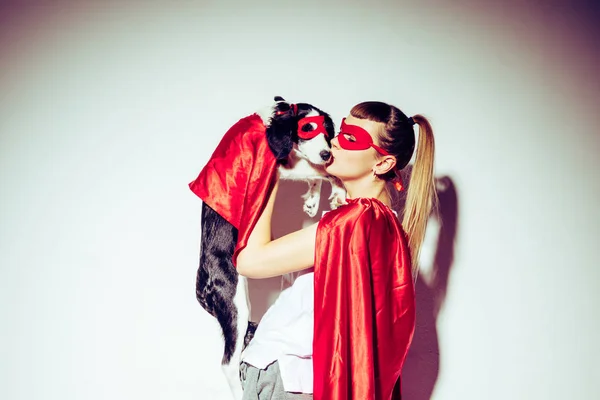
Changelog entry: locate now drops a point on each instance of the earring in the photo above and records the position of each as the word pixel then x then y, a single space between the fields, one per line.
pixel 398 184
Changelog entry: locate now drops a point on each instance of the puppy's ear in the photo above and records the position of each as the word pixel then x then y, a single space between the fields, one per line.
pixel 279 137
pixel 329 127
pixel 278 98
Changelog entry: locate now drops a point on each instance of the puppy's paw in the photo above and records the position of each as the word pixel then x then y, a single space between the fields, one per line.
pixel 311 205
pixel 312 197
pixel 335 203
pixel 337 198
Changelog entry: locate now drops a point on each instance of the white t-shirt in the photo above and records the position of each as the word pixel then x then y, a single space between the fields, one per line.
pixel 285 334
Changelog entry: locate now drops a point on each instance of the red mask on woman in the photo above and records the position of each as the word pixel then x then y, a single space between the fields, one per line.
pixel 353 137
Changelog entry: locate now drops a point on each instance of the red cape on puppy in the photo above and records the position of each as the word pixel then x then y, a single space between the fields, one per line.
pixel 239 176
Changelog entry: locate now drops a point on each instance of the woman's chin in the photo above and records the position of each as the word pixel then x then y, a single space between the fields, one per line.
pixel 328 166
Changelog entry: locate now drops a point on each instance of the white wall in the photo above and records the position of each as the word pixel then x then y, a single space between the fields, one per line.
pixel 108 111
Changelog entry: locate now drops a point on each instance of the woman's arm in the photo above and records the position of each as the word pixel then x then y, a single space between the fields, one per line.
pixel 264 258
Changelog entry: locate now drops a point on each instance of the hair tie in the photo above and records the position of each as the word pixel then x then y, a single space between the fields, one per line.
pixel 293 109
pixel 411 121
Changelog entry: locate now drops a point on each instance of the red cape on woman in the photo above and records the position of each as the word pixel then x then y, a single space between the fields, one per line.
pixel 238 177
pixel 364 303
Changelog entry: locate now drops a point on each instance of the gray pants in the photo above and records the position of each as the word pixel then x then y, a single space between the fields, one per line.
pixel 266 384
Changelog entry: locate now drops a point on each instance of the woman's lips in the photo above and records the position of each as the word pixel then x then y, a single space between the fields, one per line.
pixel 328 163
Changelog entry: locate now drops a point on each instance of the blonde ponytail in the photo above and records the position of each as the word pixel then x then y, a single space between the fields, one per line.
pixel 421 195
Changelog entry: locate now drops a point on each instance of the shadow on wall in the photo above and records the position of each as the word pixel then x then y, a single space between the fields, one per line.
pixel 421 368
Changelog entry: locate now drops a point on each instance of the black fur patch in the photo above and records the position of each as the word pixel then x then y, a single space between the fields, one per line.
pixel 216 280
pixel 250 333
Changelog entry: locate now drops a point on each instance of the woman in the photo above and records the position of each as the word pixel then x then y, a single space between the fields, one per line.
pixel 364 260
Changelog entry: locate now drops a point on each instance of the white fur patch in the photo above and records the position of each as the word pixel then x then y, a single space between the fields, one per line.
pixel 266 114
pixel 311 149
pixel 232 370
pixel 312 197
pixel 299 169
pixel 338 193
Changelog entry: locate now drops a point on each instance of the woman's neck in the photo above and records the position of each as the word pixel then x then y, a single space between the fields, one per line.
pixel 367 188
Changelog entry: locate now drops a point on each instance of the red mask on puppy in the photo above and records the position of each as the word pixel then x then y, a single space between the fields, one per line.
pixel 319 120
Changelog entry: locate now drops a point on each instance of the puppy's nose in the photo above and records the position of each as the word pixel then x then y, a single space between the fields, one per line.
pixel 325 155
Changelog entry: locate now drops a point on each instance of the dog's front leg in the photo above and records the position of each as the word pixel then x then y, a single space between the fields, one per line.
pixel 312 197
pixel 338 193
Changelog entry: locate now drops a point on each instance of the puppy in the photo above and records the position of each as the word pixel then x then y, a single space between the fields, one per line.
pixel 302 155
pixel 299 136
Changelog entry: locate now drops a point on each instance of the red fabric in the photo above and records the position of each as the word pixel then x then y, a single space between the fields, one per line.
pixel 364 303
pixel 361 140
pixel 238 177
pixel 318 120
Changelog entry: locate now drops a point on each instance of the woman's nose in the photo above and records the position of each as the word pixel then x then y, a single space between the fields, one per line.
pixel 335 144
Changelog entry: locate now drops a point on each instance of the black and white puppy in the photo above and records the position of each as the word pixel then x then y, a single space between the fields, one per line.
pixel 300 159
pixel 219 288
